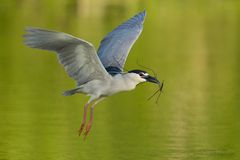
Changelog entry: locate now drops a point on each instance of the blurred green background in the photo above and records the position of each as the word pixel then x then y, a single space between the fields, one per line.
pixel 192 44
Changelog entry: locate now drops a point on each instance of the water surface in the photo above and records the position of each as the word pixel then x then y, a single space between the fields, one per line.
pixel 192 45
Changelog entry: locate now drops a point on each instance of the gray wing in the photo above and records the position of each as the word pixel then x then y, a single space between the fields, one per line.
pixel 114 48
pixel 78 57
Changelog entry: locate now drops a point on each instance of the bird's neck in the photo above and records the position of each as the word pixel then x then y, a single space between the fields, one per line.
pixel 125 82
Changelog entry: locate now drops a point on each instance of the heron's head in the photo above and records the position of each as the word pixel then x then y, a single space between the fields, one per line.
pixel 143 76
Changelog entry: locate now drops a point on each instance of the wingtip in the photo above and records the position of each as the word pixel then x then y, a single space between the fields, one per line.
pixel 142 15
pixel 29 28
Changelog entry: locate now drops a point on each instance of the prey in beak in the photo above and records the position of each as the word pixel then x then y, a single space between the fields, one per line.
pixel 160 86
pixel 152 79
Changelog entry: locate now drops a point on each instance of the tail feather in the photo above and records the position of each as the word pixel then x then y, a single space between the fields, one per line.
pixel 70 92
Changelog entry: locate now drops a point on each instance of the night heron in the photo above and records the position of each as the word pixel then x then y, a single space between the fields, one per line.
pixel 97 75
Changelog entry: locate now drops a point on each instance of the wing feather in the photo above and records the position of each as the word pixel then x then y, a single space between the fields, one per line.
pixel 78 57
pixel 115 47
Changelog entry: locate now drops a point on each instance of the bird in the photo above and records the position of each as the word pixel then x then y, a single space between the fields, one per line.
pixel 98 73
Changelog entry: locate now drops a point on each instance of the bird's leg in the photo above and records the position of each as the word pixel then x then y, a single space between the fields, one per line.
pixel 84 119
pixel 89 125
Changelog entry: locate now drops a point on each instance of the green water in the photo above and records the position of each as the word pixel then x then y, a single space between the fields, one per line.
pixel 192 45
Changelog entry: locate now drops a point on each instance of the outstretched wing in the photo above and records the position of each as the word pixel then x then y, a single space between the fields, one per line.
pixel 78 57
pixel 114 48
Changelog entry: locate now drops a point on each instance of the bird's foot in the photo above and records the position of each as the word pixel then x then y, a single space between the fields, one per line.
pixel 88 128
pixel 81 129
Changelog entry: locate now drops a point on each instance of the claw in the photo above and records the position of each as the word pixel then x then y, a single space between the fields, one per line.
pixel 81 129
pixel 88 128
pixel 84 120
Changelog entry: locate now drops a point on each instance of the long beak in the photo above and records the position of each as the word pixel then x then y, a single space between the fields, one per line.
pixel 152 79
